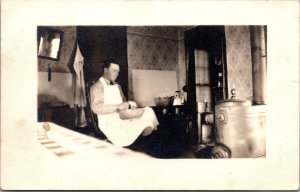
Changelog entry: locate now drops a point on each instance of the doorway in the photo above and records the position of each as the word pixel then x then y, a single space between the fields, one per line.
pixel 206 72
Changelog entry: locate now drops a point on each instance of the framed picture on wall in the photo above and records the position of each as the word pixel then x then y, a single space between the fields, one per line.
pixel 49 43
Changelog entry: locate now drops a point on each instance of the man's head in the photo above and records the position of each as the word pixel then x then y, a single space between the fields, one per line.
pixel 111 69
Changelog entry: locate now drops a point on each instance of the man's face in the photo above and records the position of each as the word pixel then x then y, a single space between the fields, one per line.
pixel 112 72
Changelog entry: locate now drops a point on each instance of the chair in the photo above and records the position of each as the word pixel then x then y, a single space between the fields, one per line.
pixel 93 119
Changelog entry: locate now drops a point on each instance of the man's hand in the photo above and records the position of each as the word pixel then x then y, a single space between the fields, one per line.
pixel 123 106
pixel 133 104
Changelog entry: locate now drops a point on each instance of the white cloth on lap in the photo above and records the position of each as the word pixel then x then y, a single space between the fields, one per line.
pixel 123 132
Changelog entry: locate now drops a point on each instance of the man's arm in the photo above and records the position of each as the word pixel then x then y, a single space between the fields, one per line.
pixel 97 101
pixel 132 104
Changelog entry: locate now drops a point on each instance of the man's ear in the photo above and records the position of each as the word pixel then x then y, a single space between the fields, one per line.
pixel 105 70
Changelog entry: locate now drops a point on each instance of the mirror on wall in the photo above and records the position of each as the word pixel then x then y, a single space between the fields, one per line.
pixel 49 43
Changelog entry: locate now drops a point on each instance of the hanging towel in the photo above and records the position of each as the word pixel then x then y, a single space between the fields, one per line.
pixel 79 94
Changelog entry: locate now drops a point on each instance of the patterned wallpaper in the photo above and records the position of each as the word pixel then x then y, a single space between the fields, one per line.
pixel 68 45
pixel 162 48
pixel 151 48
pixel 239 63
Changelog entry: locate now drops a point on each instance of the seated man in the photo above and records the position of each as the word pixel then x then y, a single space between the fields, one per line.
pixel 107 100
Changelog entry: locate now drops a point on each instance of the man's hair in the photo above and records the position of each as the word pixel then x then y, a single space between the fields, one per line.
pixel 106 63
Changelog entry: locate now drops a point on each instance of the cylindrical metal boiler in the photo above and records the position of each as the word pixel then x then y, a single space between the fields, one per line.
pixel 241 128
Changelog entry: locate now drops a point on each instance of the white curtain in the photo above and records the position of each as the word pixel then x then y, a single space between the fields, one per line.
pixel 79 93
pixel 202 76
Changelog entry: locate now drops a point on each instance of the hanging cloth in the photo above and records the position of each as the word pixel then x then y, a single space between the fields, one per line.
pixel 79 94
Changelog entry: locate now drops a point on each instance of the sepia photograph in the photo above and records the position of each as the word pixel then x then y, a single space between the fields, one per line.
pixel 163 91
pixel 149 95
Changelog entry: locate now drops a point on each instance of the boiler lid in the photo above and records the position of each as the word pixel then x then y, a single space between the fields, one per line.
pixel 234 102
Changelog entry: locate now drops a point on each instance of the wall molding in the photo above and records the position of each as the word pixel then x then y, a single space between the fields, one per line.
pixel 154 36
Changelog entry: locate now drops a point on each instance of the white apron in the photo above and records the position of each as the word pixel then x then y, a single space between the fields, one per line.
pixel 123 132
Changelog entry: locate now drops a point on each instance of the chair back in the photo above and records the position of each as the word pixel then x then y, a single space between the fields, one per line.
pixel 91 115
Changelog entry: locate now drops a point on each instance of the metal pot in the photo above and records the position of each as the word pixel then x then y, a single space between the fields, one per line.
pixel 241 128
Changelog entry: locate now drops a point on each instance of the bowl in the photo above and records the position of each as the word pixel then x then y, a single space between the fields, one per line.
pixel 164 101
pixel 131 113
